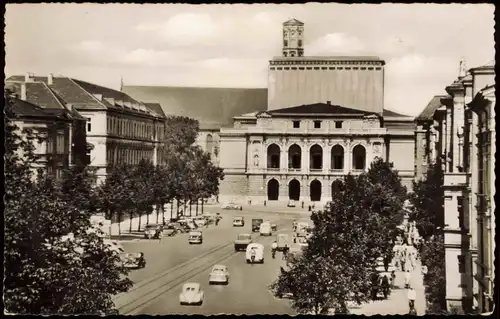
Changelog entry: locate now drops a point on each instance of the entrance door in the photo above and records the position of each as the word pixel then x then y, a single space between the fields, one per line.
pixel 315 191
pixel 273 189
pixel 294 189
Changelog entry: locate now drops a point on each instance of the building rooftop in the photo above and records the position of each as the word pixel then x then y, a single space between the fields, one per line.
pixel 428 112
pixel 212 107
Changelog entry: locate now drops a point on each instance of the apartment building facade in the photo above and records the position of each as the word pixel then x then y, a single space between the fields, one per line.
pixel 457 131
pixel 119 129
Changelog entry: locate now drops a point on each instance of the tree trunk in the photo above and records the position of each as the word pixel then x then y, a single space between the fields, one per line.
pixel 140 220
pixel 157 212
pixel 130 215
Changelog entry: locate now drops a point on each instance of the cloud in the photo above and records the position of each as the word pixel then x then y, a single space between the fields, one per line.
pixel 334 44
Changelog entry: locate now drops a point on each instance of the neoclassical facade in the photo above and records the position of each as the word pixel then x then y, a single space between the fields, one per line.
pixel 457 131
pixel 300 152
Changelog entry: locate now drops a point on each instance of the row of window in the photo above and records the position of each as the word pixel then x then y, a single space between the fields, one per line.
pixel 317 124
pixel 325 68
pixel 117 156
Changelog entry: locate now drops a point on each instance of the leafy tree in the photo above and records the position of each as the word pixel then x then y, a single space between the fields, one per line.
pixel 427 202
pixel 44 273
pixel 335 268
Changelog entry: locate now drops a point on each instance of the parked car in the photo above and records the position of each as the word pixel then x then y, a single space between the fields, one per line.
pixel 195 237
pixel 151 230
pixel 238 221
pixel 291 203
pixel 133 260
pixel 231 205
pixel 171 229
pixel 191 294
pixel 256 224
pixel 258 250
pixel 265 229
pixel 219 275
pixel 242 241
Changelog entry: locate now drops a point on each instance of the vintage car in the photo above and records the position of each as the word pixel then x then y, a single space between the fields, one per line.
pixel 195 237
pixel 200 221
pixel 191 294
pixel 257 250
pixel 242 241
pixel 282 241
pixel 256 224
pixel 231 205
pixel 151 230
pixel 265 229
pixel 291 203
pixel 238 221
pixel 133 260
pixel 218 275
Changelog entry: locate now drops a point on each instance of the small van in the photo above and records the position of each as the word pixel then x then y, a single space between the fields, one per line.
pixel 265 229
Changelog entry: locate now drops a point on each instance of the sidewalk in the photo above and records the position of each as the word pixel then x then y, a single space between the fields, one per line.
pixel 397 302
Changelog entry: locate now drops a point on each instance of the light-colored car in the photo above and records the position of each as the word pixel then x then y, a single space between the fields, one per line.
pixel 291 203
pixel 195 237
pixel 219 275
pixel 238 221
pixel 150 230
pixel 231 205
pixel 191 294
pixel 265 229
pixel 242 241
pixel 257 250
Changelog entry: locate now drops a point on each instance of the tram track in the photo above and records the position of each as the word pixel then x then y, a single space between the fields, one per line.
pixel 148 290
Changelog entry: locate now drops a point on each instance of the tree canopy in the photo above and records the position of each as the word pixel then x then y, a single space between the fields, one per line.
pixel 347 238
pixel 52 263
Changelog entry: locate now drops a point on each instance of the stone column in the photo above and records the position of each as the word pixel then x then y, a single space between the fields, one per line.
pixel 327 153
pixel 347 158
pixel 283 159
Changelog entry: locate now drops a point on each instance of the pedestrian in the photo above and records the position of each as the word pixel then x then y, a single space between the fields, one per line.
pixel 407 278
pixel 393 278
pixel 385 286
pixel 412 296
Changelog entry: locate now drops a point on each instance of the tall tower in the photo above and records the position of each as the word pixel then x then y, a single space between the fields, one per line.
pixel 293 36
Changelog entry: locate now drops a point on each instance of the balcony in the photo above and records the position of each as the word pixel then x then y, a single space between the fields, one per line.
pixel 455 179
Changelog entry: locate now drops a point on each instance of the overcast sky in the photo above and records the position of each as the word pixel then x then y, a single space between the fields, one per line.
pixel 230 45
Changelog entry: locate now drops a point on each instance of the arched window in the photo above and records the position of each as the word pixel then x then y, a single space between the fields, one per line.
pixel 359 157
pixel 273 189
pixel 294 156
pixel 210 144
pixel 315 190
pixel 337 160
pixel 316 157
pixel 294 189
pixel 273 156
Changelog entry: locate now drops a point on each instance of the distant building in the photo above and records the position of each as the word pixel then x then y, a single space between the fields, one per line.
pixel 119 128
pixel 319 119
pixel 458 130
pixel 60 131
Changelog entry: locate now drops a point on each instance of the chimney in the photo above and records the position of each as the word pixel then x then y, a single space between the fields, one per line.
pixel 50 79
pixel 23 92
pixel 329 102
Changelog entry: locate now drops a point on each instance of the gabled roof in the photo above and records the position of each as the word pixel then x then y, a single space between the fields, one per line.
pixel 22 108
pixel 38 93
pixel 212 107
pixel 156 107
pixel 293 22
pixel 318 108
pixel 428 112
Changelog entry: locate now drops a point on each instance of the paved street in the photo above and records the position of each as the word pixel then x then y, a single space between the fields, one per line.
pixel 173 262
